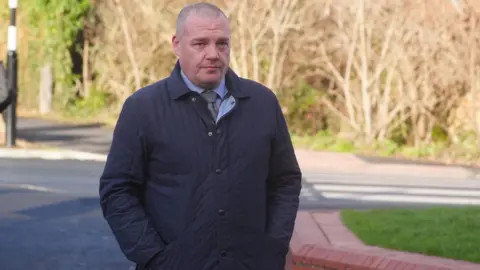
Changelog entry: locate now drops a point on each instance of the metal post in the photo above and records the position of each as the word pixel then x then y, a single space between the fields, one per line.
pixel 12 82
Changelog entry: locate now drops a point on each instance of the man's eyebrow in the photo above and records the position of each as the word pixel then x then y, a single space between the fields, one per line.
pixel 205 39
pixel 198 39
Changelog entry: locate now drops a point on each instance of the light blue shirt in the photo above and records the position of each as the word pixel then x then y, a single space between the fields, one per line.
pixel 221 89
pixel 224 105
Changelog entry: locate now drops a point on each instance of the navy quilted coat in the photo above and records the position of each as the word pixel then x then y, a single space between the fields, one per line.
pixel 180 192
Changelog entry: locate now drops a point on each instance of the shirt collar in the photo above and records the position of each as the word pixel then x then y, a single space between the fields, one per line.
pixel 221 89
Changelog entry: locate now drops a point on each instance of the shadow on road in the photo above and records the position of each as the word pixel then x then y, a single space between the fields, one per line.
pixel 93 137
pixel 62 209
pixel 48 231
pixel 61 127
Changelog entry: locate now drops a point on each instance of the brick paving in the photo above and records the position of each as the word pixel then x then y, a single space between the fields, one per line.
pixel 321 241
pixel 322 161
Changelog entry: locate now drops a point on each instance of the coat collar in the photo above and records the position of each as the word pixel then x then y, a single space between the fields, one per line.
pixel 177 88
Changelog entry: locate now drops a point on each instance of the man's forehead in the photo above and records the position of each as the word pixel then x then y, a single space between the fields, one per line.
pixel 198 20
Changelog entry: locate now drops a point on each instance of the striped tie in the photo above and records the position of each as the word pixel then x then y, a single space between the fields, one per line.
pixel 211 97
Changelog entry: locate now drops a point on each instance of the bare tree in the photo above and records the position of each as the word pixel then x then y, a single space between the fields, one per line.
pixel 262 33
pixel 133 48
pixel 380 68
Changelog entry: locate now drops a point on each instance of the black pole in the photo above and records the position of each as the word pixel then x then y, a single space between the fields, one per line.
pixel 12 75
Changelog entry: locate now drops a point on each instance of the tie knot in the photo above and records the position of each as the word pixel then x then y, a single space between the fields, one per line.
pixel 210 96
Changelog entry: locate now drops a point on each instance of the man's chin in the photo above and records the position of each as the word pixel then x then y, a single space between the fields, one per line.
pixel 210 82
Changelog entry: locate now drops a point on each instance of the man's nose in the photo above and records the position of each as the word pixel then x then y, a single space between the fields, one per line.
pixel 212 51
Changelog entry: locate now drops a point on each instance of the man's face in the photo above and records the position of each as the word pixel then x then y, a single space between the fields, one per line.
pixel 203 49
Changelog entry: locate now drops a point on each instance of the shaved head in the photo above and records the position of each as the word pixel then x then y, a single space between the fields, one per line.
pixel 202 44
pixel 200 9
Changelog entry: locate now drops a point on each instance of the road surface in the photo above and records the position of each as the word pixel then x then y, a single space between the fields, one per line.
pixel 50 216
pixel 339 191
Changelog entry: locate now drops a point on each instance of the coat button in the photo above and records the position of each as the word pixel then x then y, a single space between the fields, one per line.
pixel 223 253
pixel 218 171
pixel 210 133
pixel 193 99
pixel 221 212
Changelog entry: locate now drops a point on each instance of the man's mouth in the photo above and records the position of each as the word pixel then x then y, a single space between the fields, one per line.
pixel 212 69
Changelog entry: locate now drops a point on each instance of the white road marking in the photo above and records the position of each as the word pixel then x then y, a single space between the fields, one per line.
pixel 407 194
pixel 31 187
pixel 51 154
pixel 408 190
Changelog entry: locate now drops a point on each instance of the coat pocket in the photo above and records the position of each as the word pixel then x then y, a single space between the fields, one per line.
pixel 189 251
pixel 258 251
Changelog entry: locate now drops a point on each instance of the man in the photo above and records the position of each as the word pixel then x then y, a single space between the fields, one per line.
pixel 197 184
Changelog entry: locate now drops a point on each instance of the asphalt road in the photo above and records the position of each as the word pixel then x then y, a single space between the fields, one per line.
pixel 50 216
pixel 357 191
pixel 53 230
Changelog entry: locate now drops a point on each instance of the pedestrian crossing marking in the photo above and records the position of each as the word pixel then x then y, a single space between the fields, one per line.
pixel 395 194
pixel 405 190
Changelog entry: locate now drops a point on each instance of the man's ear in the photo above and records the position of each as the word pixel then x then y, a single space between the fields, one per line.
pixel 175 45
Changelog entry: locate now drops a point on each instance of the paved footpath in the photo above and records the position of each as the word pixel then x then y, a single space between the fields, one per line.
pixel 321 241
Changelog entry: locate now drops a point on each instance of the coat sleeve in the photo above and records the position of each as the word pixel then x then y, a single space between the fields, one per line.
pixel 284 184
pixel 121 185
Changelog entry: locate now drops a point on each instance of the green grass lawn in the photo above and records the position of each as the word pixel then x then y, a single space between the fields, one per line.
pixel 439 231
